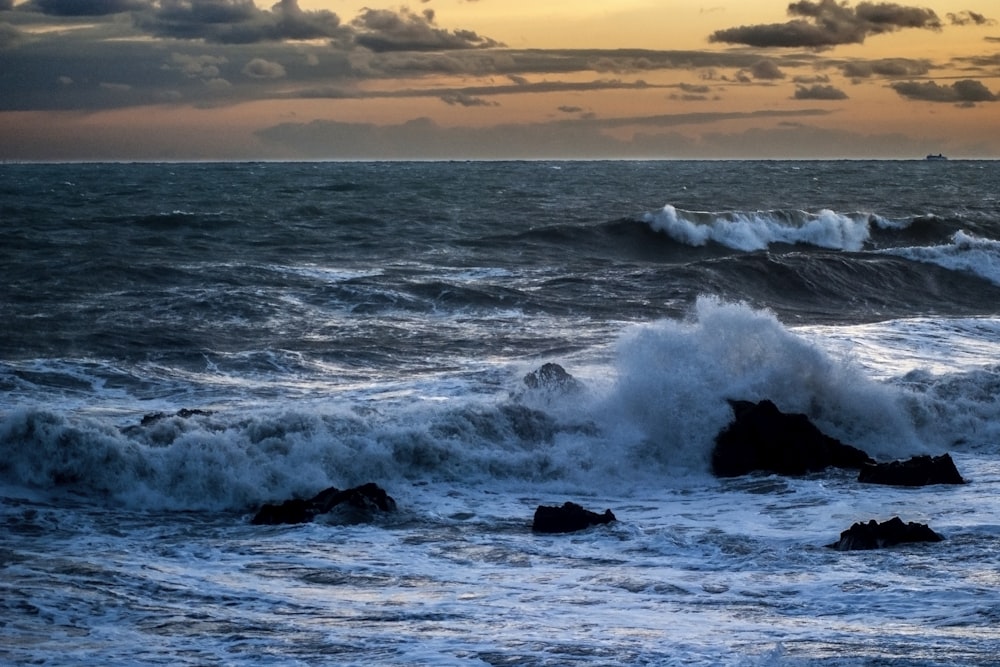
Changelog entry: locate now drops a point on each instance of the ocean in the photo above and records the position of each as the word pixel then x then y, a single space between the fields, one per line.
pixel 181 343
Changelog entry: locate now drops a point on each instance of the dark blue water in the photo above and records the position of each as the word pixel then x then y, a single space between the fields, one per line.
pixel 337 323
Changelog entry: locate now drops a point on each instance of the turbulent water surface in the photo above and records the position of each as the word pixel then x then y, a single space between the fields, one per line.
pixel 334 324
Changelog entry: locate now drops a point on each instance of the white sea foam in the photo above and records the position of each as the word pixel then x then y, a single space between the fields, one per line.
pixel 675 378
pixel 966 252
pixel 756 230
pixel 653 415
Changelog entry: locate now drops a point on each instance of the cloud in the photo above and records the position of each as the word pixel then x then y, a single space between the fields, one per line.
pixel 196 66
pixel 258 68
pixel 85 7
pixel 384 30
pixel 766 70
pixel 962 93
pixel 969 18
pixel 819 92
pixel 892 67
pixel 461 99
pixel 828 23
pixel 694 88
pixel 237 21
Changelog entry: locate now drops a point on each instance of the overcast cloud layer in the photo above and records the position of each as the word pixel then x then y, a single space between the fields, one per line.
pixel 102 55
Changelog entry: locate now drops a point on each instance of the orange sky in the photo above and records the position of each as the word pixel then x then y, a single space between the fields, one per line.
pixel 315 79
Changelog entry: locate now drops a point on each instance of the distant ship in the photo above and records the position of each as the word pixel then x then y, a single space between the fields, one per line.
pixel 939 156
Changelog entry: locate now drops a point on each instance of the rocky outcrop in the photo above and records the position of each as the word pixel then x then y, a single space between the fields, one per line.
pixel 875 535
pixel 762 438
pixel 551 377
pixel 567 519
pixel 917 471
pixel 366 499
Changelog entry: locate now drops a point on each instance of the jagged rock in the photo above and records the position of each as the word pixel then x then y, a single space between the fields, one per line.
pixel 917 471
pixel 875 535
pixel 762 438
pixel 551 377
pixel 367 498
pixel 567 519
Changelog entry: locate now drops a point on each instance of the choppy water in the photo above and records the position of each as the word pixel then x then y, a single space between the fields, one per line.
pixel 343 323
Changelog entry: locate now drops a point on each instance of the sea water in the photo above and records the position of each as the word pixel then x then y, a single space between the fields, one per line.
pixel 330 324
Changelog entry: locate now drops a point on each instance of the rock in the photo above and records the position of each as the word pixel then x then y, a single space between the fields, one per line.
pixel 762 438
pixel 367 498
pixel 917 471
pixel 875 535
pixel 295 510
pixel 567 519
pixel 551 377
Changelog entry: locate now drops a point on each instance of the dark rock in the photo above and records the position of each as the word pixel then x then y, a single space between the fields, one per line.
pixel 367 498
pixel 917 471
pixel 370 497
pixel 875 535
pixel 567 519
pixel 295 510
pixel 762 438
pixel 551 377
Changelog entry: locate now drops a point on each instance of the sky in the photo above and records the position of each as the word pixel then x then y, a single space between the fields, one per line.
pixel 492 79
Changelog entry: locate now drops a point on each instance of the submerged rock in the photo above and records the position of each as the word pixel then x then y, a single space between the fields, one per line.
pixel 567 519
pixel 762 438
pixel 875 535
pixel 367 498
pixel 916 471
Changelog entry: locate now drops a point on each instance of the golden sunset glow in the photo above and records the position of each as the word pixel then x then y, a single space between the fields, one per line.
pixel 314 79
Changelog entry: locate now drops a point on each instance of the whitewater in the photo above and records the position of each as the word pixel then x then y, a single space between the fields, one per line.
pixel 182 343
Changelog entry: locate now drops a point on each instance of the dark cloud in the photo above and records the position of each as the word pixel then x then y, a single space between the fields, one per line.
pixel 828 23
pixel 619 65
pixel 86 7
pixel 963 93
pixel 819 92
pixel 570 109
pixel 384 30
pixel 891 67
pixel 259 68
pixel 237 21
pixel 766 70
pixel 969 18
pixel 6 5
pixel 694 88
pixel 468 93
pixel 462 99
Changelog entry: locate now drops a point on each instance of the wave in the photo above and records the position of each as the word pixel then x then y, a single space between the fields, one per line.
pixel 648 415
pixel 757 230
pixel 966 252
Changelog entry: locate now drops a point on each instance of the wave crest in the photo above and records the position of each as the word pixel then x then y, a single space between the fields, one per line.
pixel 757 230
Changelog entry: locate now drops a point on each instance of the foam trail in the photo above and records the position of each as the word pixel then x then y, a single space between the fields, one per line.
pixel 756 230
